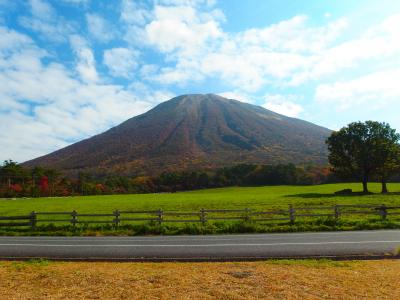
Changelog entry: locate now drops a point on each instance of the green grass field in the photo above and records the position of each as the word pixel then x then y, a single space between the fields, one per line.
pixel 257 198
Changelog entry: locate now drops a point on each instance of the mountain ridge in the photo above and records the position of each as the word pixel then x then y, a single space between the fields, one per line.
pixel 193 131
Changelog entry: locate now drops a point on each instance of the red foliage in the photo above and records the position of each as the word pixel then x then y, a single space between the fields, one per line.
pixel 44 184
pixel 100 187
pixel 16 188
pixel 65 192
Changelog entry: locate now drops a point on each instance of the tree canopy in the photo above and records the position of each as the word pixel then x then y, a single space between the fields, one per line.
pixel 363 150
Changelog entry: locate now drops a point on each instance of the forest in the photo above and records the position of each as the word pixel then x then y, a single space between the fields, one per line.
pixel 17 181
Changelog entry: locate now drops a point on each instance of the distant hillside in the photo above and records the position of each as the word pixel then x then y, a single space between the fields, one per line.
pixel 194 132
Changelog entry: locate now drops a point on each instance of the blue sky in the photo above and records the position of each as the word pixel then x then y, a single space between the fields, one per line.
pixel 70 69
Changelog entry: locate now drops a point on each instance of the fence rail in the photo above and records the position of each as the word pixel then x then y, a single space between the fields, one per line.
pixel 202 216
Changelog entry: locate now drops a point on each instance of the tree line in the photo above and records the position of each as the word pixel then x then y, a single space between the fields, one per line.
pixel 16 181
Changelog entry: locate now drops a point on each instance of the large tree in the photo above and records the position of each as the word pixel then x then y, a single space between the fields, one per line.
pixel 386 152
pixel 362 150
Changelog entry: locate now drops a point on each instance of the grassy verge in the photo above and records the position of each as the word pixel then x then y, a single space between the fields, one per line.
pixel 209 228
pixel 295 279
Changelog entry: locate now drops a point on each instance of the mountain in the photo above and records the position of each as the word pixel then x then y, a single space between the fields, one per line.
pixel 194 132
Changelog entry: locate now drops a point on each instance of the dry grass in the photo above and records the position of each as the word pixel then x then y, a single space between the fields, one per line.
pixel 252 280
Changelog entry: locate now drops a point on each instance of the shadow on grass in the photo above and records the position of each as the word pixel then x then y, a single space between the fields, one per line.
pixel 330 195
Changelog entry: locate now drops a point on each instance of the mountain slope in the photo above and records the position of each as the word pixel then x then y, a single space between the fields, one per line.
pixel 194 132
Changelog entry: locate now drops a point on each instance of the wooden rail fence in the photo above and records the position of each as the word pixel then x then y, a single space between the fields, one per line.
pixel 202 216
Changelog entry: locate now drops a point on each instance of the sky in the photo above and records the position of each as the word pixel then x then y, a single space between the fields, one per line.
pixel 70 69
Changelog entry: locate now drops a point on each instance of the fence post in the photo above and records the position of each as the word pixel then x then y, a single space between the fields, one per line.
pixel 74 219
pixel 202 216
pixel 292 214
pixel 247 214
pixel 383 211
pixel 33 220
pixel 337 212
pixel 160 216
pixel 116 220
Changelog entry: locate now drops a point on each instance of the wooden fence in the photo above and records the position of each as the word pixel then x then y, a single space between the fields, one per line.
pixel 202 216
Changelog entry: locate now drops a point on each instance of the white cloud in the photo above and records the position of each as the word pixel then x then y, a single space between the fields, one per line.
pixel 275 54
pixel 293 35
pixel 377 43
pixel 121 61
pixel 177 74
pixel 41 9
pixel 44 20
pixel 13 41
pixel 197 47
pixel 237 96
pixel 289 53
pixel 134 12
pixel 177 29
pixel 376 89
pixel 171 26
pixel 86 64
pixel 180 27
pixel 283 104
pixel 43 106
pixel 99 28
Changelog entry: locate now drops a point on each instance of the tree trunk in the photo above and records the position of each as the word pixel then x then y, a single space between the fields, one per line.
pixel 365 185
pixel 384 187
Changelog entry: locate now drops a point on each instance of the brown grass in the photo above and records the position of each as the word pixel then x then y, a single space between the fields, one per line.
pixel 251 280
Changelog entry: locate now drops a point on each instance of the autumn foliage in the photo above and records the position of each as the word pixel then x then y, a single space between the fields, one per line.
pixel 20 182
pixel 44 184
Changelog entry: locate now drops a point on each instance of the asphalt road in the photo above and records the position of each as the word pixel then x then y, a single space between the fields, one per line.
pixel 211 247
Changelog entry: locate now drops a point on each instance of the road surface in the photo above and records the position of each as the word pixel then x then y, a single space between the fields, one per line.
pixel 211 247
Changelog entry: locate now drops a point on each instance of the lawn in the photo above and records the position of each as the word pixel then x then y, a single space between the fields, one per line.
pixel 295 279
pixel 257 198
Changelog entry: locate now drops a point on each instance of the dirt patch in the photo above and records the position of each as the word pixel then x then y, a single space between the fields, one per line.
pixel 250 280
pixel 240 274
